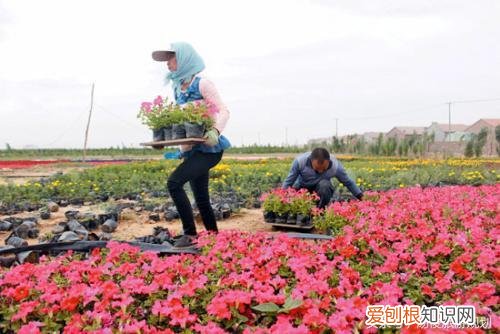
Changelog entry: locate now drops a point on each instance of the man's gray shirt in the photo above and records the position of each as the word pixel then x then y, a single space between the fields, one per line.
pixel 302 175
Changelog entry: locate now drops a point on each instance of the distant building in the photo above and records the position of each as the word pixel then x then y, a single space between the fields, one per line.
pixel 320 141
pixel 490 124
pixel 447 132
pixel 402 132
pixel 371 137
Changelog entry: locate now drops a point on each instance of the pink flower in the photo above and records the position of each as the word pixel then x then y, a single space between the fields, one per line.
pixel 314 317
pixel 146 106
pixel 212 109
pixel 24 310
pixel 210 328
pixel 284 325
pixel 31 328
pixel 443 284
pixel 158 101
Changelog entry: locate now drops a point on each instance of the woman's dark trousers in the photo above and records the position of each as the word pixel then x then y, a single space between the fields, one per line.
pixel 194 170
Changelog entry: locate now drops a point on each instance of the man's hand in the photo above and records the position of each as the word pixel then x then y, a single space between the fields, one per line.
pixel 212 137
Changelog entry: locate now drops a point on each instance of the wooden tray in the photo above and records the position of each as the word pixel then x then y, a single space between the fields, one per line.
pixel 175 142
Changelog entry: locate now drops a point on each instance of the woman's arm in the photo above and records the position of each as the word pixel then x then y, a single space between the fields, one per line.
pixel 210 95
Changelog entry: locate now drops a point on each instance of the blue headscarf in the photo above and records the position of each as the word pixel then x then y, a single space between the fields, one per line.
pixel 189 63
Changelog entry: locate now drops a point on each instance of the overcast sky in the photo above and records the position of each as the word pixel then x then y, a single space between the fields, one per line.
pixel 281 66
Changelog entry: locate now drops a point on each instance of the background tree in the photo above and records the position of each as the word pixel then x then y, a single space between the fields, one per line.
pixel 497 137
pixel 480 142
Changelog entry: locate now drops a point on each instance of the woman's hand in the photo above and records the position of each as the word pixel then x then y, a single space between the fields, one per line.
pixel 212 137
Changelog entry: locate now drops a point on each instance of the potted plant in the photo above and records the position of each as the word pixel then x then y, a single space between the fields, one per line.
pixel 198 119
pixel 178 117
pixel 302 205
pixel 154 115
pixel 194 125
pixel 288 206
pixel 167 121
pixel 270 203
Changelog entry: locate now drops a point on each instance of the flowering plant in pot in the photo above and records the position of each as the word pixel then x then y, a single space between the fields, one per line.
pixel 177 118
pixel 199 119
pixel 301 205
pixel 276 205
pixel 155 115
pixel 271 202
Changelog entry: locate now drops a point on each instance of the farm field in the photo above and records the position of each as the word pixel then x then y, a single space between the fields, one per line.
pixel 426 233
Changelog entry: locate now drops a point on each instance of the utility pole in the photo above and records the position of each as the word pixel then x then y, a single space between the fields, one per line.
pixel 336 127
pixel 286 136
pixel 449 121
pixel 88 123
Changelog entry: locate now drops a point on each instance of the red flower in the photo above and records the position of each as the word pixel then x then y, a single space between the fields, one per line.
pixel 70 303
pixel 349 251
pixel 219 308
pixel 21 292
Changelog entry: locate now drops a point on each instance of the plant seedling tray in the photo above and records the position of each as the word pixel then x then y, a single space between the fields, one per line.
pixel 175 142
pixel 295 227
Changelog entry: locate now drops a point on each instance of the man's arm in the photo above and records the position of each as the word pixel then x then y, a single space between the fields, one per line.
pixel 342 176
pixel 292 175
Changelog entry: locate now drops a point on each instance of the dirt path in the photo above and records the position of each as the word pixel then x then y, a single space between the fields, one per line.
pixel 132 224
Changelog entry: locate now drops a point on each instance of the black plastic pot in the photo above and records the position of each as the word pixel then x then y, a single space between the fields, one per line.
pixel 76 201
pixel 109 226
pixel 16 241
pixel 28 257
pixel 303 220
pixel 68 236
pixel 194 130
pixel 7 260
pixel 269 217
pixel 24 230
pixel 167 132
pixel 291 219
pixel 5 226
pixel 154 216
pixel 178 131
pixel 53 207
pixel 105 236
pixel 281 219
pixel 158 135
pixel 45 215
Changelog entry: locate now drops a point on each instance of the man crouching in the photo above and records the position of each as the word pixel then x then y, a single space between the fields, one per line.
pixel 314 171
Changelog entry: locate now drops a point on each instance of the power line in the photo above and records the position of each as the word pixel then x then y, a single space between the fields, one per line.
pixel 135 125
pixel 394 114
pixel 67 129
pixel 474 101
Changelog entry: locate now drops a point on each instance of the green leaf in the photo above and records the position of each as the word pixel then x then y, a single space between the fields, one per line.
pixel 291 304
pixel 266 308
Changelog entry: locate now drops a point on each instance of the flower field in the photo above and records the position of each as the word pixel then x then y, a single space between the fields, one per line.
pixel 249 179
pixel 425 246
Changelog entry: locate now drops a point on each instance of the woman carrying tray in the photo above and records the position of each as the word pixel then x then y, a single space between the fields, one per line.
pixel 185 65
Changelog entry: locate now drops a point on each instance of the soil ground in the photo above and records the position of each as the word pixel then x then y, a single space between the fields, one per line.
pixel 133 224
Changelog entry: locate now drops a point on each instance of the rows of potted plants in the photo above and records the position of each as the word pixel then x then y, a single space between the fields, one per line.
pixel 288 206
pixel 171 121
